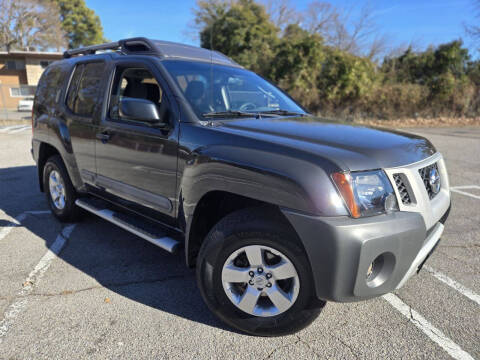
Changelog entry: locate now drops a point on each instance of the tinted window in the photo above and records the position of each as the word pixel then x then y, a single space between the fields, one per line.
pixel 72 90
pixel 50 85
pixel 85 88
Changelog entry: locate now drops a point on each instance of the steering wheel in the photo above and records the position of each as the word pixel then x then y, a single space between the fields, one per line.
pixel 248 106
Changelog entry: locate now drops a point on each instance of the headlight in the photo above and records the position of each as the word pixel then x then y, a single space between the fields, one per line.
pixel 366 193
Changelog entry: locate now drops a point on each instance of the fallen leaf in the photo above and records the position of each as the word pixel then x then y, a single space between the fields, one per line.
pixel 107 300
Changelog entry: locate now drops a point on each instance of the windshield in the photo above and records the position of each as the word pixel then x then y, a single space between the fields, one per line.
pixel 213 89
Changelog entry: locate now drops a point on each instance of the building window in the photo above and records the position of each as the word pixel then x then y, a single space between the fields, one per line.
pixel 15 64
pixel 44 63
pixel 22 91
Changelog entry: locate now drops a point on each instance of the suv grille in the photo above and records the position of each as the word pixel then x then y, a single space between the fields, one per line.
pixel 424 174
pixel 402 189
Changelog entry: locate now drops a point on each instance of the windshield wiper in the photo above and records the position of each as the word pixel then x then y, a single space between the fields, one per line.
pixel 230 113
pixel 282 112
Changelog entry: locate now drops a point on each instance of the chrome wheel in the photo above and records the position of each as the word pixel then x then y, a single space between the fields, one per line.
pixel 260 280
pixel 57 189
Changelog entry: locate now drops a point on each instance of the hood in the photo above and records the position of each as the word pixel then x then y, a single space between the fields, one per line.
pixel 351 147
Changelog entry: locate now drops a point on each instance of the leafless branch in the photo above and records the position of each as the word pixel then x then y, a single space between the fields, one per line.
pixel 351 29
pixel 282 13
pixel 30 25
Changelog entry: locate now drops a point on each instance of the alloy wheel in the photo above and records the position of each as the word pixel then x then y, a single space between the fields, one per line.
pixel 260 280
pixel 57 189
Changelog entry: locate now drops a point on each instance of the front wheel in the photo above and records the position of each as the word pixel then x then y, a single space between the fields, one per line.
pixel 254 276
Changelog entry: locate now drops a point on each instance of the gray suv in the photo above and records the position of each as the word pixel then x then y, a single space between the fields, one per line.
pixel 279 211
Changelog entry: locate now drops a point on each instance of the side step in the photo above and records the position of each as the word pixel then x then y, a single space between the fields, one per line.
pixel 129 223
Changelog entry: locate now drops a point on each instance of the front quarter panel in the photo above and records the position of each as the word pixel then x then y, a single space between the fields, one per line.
pixel 211 160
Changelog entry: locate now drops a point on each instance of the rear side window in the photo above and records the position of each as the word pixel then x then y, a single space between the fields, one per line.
pixel 85 88
pixel 50 86
pixel 72 91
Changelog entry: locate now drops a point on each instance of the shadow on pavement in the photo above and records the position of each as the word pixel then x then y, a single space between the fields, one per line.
pixel 118 260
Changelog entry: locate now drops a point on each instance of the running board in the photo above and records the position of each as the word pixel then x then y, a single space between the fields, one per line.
pixel 129 223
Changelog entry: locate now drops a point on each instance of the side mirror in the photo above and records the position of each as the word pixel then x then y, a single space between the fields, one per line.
pixel 140 110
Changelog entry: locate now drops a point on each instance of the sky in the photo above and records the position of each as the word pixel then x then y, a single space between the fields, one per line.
pixel 423 22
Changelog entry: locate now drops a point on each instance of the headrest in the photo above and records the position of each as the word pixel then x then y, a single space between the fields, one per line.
pixel 153 92
pixel 135 89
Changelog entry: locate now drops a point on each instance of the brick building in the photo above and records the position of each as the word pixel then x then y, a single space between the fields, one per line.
pixel 19 74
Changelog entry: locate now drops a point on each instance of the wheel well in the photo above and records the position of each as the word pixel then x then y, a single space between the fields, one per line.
pixel 216 205
pixel 45 151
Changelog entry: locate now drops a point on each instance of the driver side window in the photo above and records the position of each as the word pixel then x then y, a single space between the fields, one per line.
pixel 138 83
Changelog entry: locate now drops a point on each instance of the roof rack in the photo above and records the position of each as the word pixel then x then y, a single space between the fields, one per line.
pixel 125 46
pixel 160 48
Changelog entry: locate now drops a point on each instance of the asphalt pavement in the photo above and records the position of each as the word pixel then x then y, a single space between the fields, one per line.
pixel 92 290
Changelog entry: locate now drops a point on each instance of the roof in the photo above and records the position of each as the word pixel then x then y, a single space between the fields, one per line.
pixel 160 48
pixel 181 51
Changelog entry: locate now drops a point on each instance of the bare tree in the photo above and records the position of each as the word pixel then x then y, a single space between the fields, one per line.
pixel 473 31
pixel 30 25
pixel 353 30
pixel 321 17
pixel 282 13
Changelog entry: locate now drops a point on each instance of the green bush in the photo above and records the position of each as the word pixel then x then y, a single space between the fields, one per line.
pixel 387 101
pixel 297 64
pixel 438 81
pixel 344 79
pixel 244 33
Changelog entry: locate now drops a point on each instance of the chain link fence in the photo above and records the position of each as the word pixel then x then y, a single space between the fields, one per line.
pixel 16 103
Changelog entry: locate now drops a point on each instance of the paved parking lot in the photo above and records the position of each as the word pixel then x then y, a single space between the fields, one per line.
pixel 92 290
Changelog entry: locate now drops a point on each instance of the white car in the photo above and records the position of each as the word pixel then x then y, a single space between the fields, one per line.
pixel 25 104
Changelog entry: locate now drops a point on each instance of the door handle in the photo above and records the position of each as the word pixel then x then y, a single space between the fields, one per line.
pixel 103 137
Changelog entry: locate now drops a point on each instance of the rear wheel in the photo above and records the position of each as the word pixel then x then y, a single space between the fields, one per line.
pixel 255 277
pixel 59 190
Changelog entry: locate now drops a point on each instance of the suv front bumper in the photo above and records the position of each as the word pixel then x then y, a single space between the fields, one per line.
pixel 341 251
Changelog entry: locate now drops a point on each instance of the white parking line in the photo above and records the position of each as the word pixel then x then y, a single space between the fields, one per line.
pixel 14 222
pixel 454 284
pixel 5 230
pixel 33 278
pixel 20 130
pixel 465 193
pixel 428 329
pixel 8 128
pixel 465 187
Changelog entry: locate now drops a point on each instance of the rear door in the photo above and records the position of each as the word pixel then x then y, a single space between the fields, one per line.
pixel 135 160
pixel 82 111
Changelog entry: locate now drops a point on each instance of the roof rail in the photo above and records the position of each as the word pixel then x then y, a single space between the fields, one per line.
pixel 126 46
pixel 88 50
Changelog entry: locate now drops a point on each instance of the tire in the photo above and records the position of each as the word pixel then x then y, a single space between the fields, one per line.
pixel 65 211
pixel 238 233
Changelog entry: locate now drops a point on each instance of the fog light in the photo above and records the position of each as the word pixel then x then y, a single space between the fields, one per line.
pixel 380 269
pixel 375 268
pixel 370 270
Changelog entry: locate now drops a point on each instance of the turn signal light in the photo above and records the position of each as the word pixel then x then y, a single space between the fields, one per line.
pixel 345 186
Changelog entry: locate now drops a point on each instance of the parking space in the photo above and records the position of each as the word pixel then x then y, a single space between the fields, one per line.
pixel 92 290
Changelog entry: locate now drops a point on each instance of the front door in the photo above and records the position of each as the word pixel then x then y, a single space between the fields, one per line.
pixel 136 160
